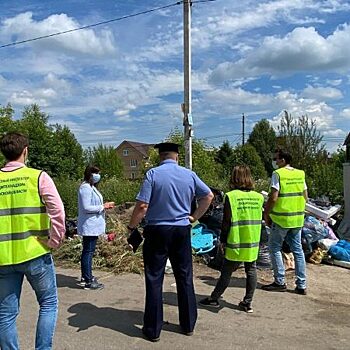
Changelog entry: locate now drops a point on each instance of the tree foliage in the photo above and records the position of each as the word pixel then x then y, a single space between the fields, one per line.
pixel 223 157
pixel 263 138
pixel 204 163
pixel 106 158
pixel 247 155
pixel 301 138
pixel 51 148
pixel 327 178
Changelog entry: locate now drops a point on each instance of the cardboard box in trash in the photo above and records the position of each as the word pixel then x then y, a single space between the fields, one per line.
pixel 324 214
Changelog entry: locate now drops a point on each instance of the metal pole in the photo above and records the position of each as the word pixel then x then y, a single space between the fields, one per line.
pixel 187 121
pixel 243 122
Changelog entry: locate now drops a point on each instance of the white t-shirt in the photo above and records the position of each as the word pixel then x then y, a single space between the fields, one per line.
pixel 275 182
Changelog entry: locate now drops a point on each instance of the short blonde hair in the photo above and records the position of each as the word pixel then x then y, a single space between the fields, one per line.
pixel 241 178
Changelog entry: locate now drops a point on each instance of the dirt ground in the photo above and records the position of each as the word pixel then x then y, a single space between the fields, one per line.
pixel 112 318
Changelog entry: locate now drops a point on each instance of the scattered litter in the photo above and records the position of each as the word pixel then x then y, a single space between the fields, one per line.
pixel 202 239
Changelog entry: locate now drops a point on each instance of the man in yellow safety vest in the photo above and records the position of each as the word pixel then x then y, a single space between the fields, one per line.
pixel 284 213
pixel 32 221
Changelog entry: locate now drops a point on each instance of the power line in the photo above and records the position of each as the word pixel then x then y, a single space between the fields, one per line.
pixel 198 1
pixel 91 25
pixel 101 23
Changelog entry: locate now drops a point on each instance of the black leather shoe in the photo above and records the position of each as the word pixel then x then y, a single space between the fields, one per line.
pixel 275 287
pixel 187 333
pixel 153 340
pixel 301 291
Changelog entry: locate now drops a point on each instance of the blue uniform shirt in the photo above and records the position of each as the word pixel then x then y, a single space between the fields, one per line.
pixel 169 190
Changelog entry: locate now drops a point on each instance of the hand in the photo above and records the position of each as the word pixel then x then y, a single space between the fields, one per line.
pixel 222 247
pixel 268 220
pixel 109 205
pixel 192 219
pixel 44 241
pixel 127 245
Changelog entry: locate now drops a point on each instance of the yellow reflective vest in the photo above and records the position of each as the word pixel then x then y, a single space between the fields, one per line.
pixel 23 217
pixel 289 209
pixel 244 235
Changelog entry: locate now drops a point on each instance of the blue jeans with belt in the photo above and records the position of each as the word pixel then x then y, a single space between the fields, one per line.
pixel 40 273
pixel 293 237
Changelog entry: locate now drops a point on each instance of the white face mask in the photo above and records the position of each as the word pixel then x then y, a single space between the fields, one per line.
pixel 274 164
pixel 96 178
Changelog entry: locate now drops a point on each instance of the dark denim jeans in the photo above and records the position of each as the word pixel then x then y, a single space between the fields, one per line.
pixel 40 273
pixel 89 246
pixel 227 269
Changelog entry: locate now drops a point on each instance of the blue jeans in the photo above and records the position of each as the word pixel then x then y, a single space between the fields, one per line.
pixel 89 246
pixel 40 273
pixel 293 238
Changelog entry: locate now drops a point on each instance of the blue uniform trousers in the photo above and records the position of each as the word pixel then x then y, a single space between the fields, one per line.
pixel 161 242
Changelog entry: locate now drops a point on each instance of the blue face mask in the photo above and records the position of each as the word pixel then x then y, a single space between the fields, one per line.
pixel 96 178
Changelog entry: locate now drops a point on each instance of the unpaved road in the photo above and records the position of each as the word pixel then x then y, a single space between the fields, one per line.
pixel 112 318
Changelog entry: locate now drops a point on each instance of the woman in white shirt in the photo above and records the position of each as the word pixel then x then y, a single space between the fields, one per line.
pixel 91 222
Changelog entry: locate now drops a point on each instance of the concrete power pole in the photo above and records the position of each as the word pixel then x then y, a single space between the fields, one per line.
pixel 186 107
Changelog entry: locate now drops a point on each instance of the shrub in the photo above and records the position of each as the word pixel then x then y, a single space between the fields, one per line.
pixel 112 189
pixel 68 190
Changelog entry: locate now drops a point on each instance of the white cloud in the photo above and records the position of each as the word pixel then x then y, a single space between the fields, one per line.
pixel 39 96
pixel 51 80
pixel 322 93
pixel 303 49
pixel 2 81
pixel 334 82
pixel 335 133
pixel 86 41
pixel 345 113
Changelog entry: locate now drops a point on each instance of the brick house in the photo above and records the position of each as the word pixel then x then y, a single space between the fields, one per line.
pixel 133 156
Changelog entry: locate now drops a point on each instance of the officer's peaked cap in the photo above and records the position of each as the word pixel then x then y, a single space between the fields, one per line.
pixel 167 147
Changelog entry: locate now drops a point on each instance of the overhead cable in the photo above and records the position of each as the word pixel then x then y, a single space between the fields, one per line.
pixel 91 25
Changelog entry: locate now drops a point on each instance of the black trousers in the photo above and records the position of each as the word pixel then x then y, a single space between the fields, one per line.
pixel 173 242
pixel 227 269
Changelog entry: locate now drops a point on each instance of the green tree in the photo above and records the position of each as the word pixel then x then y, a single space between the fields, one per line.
pixel 263 138
pixel 6 124
pixel 34 123
pixel 301 138
pixel 106 158
pixel 247 155
pixel 68 153
pixel 51 148
pixel 203 159
pixel 327 178
pixel 223 157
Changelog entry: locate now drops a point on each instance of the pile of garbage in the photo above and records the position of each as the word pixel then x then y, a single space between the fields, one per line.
pixel 319 236
pixel 111 253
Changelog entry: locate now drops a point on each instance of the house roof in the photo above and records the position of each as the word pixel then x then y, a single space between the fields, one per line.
pixel 347 140
pixel 143 148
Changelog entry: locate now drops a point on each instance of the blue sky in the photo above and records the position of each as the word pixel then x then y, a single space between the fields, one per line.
pixel 124 80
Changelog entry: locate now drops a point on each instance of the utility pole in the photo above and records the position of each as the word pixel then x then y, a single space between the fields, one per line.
pixel 186 107
pixel 243 122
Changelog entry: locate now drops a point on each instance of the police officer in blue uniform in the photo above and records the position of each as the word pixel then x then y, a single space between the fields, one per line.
pixel 165 202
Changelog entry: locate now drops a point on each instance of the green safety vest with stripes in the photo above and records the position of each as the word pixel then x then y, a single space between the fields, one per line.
pixel 244 235
pixel 289 209
pixel 23 217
